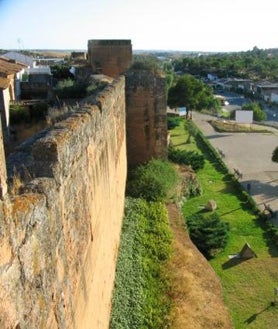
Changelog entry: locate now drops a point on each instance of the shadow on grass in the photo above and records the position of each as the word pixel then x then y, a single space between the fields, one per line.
pixel 180 144
pixel 268 236
pixel 233 262
pixel 254 316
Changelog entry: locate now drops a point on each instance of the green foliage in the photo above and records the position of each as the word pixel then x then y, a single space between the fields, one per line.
pixel 145 62
pixel 191 93
pixel 258 113
pixel 173 122
pixel 76 89
pixel 256 64
pixel 19 114
pixel 71 89
pixel 61 72
pixel 209 234
pixel 153 181
pixel 38 111
pixel 249 283
pixel 26 114
pixel 139 297
pixel 190 158
pixel 275 155
pixel 191 187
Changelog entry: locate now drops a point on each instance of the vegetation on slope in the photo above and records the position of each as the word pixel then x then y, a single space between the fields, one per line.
pixel 247 285
pixel 140 299
pixel 140 295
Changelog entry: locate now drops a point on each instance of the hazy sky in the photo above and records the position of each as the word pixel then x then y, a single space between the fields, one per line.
pixel 192 25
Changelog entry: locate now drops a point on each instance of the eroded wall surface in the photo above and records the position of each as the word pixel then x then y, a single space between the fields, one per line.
pixel 110 57
pixel 146 105
pixel 59 238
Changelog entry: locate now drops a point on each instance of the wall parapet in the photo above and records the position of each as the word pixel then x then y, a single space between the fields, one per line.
pixel 59 238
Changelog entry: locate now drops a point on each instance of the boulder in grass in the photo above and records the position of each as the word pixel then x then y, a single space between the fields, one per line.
pixel 211 205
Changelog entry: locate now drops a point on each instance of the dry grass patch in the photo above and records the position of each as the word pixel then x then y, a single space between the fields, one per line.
pixel 195 288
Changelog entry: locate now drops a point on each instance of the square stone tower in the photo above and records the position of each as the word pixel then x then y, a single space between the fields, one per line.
pixel 110 57
pixel 146 116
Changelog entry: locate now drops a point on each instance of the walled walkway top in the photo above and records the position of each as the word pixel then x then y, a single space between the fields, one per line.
pixel 250 154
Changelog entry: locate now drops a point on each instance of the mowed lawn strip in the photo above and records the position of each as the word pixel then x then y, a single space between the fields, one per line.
pixel 248 286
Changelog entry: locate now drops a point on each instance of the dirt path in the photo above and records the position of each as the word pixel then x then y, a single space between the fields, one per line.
pixel 196 289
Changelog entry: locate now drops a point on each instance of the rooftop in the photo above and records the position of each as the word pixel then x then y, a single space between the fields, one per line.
pixel 8 67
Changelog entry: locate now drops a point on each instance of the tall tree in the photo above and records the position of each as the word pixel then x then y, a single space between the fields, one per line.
pixel 191 93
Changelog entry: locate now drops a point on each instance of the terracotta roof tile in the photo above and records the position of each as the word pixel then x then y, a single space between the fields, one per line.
pixel 7 67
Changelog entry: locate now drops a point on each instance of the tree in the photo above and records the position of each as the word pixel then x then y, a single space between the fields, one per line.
pixel 275 155
pixel 258 113
pixel 209 234
pixel 191 93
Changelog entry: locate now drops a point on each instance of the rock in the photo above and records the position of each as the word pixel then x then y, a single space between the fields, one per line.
pixel 211 205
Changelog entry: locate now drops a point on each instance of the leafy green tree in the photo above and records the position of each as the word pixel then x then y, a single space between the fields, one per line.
pixel 191 93
pixel 258 113
pixel 209 234
pixel 275 155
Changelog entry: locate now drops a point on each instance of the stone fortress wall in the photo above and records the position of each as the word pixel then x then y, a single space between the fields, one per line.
pixel 59 237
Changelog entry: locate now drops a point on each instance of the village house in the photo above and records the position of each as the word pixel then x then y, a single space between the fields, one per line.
pixel 11 74
pixel 28 61
pixel 268 91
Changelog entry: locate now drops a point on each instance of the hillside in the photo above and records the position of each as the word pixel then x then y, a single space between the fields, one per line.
pixel 196 289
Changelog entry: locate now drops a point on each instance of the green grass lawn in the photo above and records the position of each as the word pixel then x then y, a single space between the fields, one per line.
pixel 248 286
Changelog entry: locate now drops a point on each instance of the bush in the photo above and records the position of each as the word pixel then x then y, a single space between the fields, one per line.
pixel 173 122
pixel 27 114
pixel 19 114
pixel 71 89
pixel 209 234
pixel 189 158
pixel 274 157
pixel 155 181
pixel 38 111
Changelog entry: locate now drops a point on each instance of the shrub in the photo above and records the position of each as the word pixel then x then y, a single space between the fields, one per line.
pixel 191 187
pixel 209 234
pixel 153 181
pixel 19 114
pixel 173 122
pixel 190 158
pixel 38 111
pixel 274 157
pixel 71 89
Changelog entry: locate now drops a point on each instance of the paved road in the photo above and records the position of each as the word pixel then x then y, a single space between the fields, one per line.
pixel 250 153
